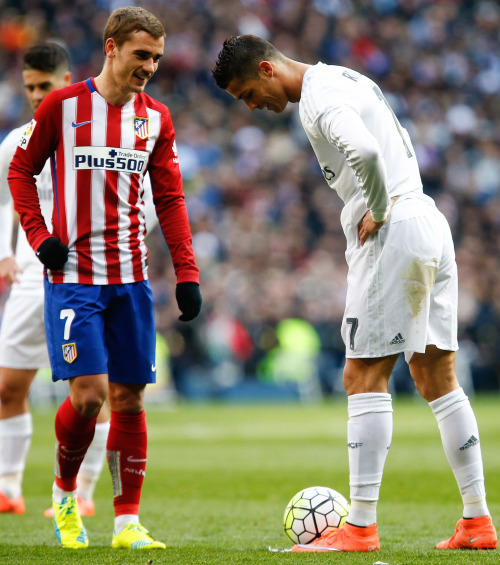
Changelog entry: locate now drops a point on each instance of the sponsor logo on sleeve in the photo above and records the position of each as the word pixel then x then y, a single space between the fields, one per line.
pixel 25 138
pixel 109 159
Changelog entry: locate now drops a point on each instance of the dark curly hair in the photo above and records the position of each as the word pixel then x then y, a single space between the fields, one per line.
pixel 240 57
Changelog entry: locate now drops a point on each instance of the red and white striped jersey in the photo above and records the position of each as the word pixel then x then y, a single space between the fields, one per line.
pixel 99 154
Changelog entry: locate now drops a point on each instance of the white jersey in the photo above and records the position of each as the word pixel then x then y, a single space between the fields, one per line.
pixel 32 276
pixel 364 152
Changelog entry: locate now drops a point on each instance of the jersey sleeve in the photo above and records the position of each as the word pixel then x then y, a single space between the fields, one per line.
pixel 168 197
pixel 6 226
pixel 7 150
pixel 36 145
pixel 343 127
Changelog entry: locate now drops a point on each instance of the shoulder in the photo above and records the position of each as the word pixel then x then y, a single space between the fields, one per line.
pixel 327 87
pixel 159 115
pixel 56 97
pixel 9 145
pixel 11 140
pixel 153 104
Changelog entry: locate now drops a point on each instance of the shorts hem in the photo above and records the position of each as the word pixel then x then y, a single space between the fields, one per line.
pixel 23 366
pixel 406 351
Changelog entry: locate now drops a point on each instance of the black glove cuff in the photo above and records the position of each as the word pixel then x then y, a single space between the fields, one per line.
pixel 53 253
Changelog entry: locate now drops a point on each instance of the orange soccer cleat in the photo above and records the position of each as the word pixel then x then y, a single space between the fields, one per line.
pixel 85 507
pixel 11 505
pixel 346 538
pixel 472 533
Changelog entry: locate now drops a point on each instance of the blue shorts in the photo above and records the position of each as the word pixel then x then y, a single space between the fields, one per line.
pixel 95 329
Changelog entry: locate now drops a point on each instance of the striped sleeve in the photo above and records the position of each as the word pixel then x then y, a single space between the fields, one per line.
pixel 36 145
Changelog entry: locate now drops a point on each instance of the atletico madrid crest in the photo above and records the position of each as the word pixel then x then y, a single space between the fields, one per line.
pixel 141 127
pixel 69 352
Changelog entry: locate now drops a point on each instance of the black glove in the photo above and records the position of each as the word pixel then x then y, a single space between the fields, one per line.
pixel 188 298
pixel 53 253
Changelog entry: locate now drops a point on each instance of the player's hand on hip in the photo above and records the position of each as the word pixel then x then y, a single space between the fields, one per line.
pixel 188 298
pixel 369 226
pixel 9 270
pixel 53 253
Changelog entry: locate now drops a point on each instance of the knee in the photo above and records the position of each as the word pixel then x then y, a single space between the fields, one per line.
pixel 367 375
pixel 433 387
pixel 353 384
pixel 434 372
pixel 9 393
pixel 126 398
pixel 5 395
pixel 87 405
pixel 87 402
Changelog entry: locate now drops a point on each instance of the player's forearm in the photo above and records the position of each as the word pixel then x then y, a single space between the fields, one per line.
pixel 375 188
pixel 347 132
pixel 174 223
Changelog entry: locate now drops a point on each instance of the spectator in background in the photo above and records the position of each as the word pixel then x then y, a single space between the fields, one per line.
pixel 438 64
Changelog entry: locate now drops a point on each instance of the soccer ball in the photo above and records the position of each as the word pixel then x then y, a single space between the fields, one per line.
pixel 311 511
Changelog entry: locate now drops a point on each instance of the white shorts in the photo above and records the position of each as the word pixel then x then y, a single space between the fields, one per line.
pixel 402 287
pixel 22 336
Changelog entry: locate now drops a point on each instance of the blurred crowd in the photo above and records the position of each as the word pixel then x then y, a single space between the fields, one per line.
pixel 266 226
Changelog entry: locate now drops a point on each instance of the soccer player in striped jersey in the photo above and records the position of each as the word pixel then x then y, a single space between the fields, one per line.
pixel 23 348
pixel 101 136
pixel 402 278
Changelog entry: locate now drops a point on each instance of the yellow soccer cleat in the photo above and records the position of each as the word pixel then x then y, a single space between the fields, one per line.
pixel 68 525
pixel 135 536
pixel 85 507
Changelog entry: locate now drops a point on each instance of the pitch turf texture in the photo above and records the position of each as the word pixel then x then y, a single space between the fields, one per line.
pixel 220 476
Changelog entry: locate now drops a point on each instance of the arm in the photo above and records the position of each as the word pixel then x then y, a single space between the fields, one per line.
pixel 345 130
pixel 6 226
pixel 9 269
pixel 37 144
pixel 368 225
pixel 168 198
pixel 27 162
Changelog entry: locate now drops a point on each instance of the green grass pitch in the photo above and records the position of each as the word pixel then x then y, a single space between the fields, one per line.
pixel 220 476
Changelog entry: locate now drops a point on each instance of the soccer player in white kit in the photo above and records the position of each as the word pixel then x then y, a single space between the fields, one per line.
pixel 23 348
pixel 102 136
pixel 401 284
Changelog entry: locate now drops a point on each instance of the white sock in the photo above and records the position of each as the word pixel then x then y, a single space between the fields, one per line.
pixel 123 520
pixel 58 493
pixel 15 441
pixel 93 462
pixel 460 437
pixel 369 435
